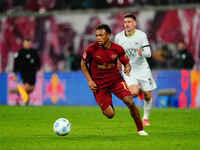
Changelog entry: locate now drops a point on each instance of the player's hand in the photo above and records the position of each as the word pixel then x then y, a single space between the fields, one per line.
pixel 92 85
pixel 127 69
pixel 119 65
pixel 139 51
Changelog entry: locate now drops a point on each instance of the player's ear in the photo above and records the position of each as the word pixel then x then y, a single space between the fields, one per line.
pixel 135 23
pixel 108 35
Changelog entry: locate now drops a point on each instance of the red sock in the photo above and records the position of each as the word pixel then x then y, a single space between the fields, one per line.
pixel 140 95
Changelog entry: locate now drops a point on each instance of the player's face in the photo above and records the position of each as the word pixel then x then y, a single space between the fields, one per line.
pixel 181 46
pixel 27 44
pixel 129 25
pixel 102 36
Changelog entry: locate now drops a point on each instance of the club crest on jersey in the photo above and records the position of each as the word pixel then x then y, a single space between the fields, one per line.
pixel 99 57
pixel 84 55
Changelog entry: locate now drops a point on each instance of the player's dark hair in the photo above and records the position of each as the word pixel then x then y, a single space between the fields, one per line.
pixel 105 27
pixel 27 39
pixel 130 16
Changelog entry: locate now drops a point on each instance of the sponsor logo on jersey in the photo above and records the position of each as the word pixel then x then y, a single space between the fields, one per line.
pixel 131 52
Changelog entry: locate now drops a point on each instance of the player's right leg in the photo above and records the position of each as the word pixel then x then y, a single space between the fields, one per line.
pixel 29 80
pixel 147 107
pixel 104 99
pixel 23 93
pixel 22 88
pixel 109 112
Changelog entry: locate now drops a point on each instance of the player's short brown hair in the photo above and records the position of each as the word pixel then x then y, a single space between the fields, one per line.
pixel 129 15
pixel 105 27
pixel 27 39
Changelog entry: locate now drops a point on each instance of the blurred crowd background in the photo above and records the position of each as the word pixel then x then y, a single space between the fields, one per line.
pixel 60 38
pixel 48 5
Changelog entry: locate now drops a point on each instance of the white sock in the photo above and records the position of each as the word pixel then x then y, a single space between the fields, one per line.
pixel 147 108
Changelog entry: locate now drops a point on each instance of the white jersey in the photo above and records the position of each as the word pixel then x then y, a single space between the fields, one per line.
pixel 139 67
pixel 137 40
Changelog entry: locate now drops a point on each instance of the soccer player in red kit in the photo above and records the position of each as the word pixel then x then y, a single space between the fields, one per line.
pixel 99 65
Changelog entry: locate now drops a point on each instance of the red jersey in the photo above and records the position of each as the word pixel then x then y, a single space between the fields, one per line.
pixel 103 63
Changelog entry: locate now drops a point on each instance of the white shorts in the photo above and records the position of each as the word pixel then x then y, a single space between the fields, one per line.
pixel 146 84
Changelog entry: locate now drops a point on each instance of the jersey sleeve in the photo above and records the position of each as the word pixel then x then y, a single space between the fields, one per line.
pixel 87 54
pixel 123 57
pixel 146 47
pixel 17 61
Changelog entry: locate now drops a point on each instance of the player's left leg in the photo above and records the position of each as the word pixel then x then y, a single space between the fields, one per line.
pixel 104 99
pixel 109 112
pixel 147 107
pixel 29 88
pixel 147 85
pixel 121 91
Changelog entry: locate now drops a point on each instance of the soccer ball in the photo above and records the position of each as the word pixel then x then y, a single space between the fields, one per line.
pixel 62 126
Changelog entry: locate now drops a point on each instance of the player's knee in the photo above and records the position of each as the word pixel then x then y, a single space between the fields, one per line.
pixel 134 94
pixel 110 115
pixel 129 102
pixel 109 112
pixel 29 91
pixel 147 97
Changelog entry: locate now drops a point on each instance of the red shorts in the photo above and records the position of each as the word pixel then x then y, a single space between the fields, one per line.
pixel 104 96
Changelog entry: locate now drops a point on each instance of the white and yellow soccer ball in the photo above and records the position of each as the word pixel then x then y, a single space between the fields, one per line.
pixel 62 126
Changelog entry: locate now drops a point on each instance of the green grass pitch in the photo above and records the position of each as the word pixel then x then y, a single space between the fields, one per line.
pixel 31 128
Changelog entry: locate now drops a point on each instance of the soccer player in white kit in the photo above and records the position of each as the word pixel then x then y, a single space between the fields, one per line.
pixel 137 48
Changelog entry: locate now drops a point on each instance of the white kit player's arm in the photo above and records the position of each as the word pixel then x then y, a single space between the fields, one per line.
pixel 146 49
